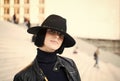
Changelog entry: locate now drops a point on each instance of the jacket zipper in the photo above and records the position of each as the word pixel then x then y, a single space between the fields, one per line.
pixel 45 78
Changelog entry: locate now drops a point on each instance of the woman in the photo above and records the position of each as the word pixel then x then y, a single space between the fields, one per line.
pixel 51 39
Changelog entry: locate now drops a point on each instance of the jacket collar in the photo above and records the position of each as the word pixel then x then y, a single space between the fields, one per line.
pixel 57 65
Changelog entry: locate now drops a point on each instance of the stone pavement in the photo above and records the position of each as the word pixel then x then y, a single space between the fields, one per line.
pixel 17 51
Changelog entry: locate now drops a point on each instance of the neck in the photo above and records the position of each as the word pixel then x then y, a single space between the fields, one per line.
pixel 46 49
pixel 46 57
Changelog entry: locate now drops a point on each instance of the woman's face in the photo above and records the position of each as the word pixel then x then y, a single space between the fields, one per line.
pixel 53 40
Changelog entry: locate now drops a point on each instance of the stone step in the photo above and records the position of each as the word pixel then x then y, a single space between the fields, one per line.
pixel 89 72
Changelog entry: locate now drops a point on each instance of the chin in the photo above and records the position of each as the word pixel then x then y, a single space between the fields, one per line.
pixel 54 48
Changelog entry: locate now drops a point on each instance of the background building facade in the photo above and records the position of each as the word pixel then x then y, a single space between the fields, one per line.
pixel 30 9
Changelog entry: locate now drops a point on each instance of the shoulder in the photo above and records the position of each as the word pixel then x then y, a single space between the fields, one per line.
pixel 24 73
pixel 66 60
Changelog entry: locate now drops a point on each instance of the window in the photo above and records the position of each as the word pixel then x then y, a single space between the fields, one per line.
pixel 16 1
pixel 6 10
pixel 26 10
pixel 26 1
pixel 42 1
pixel 6 1
pixel 16 10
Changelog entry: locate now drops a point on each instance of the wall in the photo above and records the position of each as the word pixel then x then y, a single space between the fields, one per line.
pixel 107 45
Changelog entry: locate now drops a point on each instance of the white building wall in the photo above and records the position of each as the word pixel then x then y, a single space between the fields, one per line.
pixel 34 11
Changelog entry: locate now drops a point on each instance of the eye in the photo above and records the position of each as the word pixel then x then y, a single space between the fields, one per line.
pixel 53 32
pixel 60 35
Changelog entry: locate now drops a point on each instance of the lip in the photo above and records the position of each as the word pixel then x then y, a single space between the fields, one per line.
pixel 53 41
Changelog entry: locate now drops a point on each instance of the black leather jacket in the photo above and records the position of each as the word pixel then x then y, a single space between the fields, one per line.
pixel 33 72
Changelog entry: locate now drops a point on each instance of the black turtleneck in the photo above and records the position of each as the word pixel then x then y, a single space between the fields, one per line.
pixel 46 62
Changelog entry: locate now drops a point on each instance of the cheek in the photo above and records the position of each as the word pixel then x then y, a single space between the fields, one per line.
pixel 46 39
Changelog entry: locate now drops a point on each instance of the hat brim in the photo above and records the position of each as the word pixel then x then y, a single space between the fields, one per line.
pixel 68 40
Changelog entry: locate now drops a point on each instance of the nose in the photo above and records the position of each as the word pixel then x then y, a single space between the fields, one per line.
pixel 57 36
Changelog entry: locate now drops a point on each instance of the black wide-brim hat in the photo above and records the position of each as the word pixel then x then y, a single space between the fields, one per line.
pixel 57 23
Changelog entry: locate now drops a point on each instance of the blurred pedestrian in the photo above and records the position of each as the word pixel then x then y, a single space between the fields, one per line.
pixel 27 22
pixel 75 50
pixel 15 19
pixel 96 58
pixel 51 39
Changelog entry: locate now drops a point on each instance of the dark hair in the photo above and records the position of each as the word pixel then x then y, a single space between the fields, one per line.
pixel 39 41
pixel 60 50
